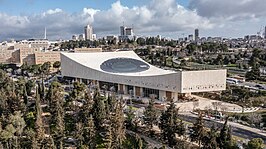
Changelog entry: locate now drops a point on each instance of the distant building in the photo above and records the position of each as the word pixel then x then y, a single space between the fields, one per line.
pixel 50 56
pixel 159 37
pixel 126 33
pixel 74 37
pixel 112 39
pixel 94 37
pixel 129 31
pixel 37 43
pixel 196 34
pixel 81 37
pixel 88 32
pixel 190 37
pixel 122 30
pixel 265 33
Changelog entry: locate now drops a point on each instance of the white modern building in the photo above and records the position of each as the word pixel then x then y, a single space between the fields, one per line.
pixel 129 74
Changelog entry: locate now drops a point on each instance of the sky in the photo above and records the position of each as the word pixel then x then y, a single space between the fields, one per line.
pixel 23 19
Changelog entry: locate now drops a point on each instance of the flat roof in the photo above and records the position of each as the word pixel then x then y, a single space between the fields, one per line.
pixel 126 63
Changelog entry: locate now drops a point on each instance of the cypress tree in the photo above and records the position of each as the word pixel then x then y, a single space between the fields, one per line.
pixel 40 132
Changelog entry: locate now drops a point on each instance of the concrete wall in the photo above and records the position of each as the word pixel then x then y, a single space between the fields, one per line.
pixel 203 81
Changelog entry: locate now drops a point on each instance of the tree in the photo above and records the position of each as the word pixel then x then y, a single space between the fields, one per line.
pixel 254 74
pixel 255 118
pixel 256 143
pixel 78 91
pixel 40 132
pixel 108 137
pixel 198 130
pixel 98 111
pixel 79 135
pixel 169 124
pixel 209 139
pixel 57 125
pixel 57 65
pixel 182 144
pixel 219 60
pixel 225 137
pixel 12 133
pixel 89 133
pixel 181 129
pixel 117 124
pixel 87 106
pixel 150 116
pixel 29 85
pixel 45 68
pixel 130 116
pixel 139 142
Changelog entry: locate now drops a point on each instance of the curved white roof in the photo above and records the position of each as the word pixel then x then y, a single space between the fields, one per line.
pixel 95 60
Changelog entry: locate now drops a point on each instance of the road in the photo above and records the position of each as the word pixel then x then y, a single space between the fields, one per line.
pixel 236 130
pixel 254 85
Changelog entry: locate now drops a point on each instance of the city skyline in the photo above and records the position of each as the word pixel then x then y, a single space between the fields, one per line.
pixel 172 18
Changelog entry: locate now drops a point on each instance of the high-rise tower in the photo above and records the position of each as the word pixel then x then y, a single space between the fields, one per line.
pixel 265 33
pixel 196 34
pixel 88 32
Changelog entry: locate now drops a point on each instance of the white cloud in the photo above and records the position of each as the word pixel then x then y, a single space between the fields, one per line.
pixel 153 18
pixel 232 18
pixel 51 11
pixel 229 9
pixel 157 17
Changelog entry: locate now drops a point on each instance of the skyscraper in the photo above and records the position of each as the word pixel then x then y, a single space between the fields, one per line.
pixel 88 32
pixel 122 30
pixel 129 31
pixel 265 33
pixel 196 34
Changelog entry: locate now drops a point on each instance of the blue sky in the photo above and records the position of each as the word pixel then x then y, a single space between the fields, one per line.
pixel 17 7
pixel 22 19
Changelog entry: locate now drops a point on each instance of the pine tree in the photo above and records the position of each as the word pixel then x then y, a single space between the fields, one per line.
pixel 79 134
pixel 181 130
pixel 99 111
pixel 89 133
pixel 168 124
pixel 150 116
pixel 209 139
pixel 130 118
pixel 139 142
pixel 117 124
pixel 198 130
pixel 87 107
pixel 108 137
pixel 225 137
pixel 57 125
